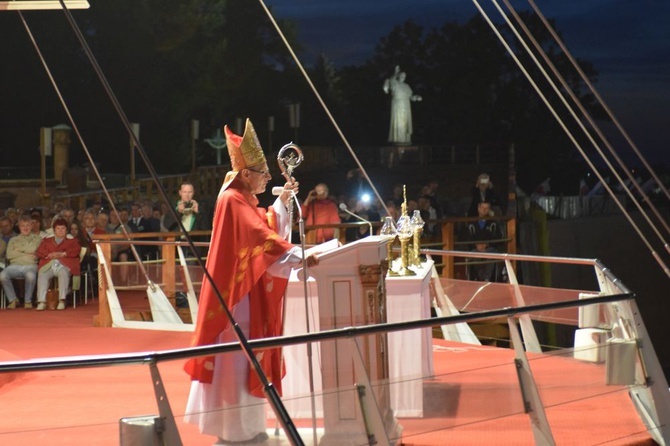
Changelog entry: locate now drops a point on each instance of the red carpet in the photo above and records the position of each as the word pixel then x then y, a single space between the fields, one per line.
pixel 7 378
pixel 473 398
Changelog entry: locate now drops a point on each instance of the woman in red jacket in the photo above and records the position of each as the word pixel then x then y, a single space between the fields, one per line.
pixel 58 257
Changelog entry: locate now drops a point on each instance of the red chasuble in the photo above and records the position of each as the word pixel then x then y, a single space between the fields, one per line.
pixel 244 244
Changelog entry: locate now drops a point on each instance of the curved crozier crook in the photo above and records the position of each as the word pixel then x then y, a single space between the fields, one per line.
pixel 289 157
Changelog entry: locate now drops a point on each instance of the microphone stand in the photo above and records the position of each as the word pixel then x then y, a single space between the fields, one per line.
pixel 305 276
pixel 301 229
pixel 345 209
pixel 287 163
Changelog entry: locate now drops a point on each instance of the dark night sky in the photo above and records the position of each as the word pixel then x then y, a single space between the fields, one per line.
pixel 628 42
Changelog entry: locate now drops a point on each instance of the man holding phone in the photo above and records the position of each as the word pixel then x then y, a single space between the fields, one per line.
pixel 187 208
pixel 319 209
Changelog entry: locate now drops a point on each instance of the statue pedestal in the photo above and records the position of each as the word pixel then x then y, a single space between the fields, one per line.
pixel 394 155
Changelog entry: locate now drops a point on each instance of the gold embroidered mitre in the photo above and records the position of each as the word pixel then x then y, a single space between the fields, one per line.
pixel 244 151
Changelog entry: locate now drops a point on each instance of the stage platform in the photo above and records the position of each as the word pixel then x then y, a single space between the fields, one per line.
pixel 473 397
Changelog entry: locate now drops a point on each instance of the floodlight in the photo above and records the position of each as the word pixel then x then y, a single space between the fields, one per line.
pixel 33 5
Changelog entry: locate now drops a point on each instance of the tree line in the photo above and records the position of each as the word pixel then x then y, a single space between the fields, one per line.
pixel 172 61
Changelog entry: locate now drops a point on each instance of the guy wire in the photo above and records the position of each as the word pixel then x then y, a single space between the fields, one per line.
pixel 582 127
pixel 81 139
pixel 602 102
pixel 570 135
pixel 323 104
pixel 594 125
pixel 270 391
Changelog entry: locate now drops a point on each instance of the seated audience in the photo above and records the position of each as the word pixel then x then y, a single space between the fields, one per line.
pixel 36 219
pixel 22 260
pixel 91 227
pixel 120 253
pixel 158 215
pixel 397 195
pixel 79 234
pixel 124 217
pixel 430 191
pixel 428 213
pixel 482 234
pixel 135 220
pixel 13 215
pixel 6 229
pixel 151 224
pixel 164 213
pixel 96 207
pixel 483 191
pixel 90 223
pixel 365 210
pixel 3 254
pixel 393 210
pixel 68 214
pixel 58 207
pixel 58 257
pixel 412 205
pixel 101 221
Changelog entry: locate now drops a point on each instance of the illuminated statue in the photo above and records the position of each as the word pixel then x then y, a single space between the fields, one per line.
pixel 400 131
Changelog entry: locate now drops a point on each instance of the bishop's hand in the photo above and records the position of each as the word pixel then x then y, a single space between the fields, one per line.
pixel 290 188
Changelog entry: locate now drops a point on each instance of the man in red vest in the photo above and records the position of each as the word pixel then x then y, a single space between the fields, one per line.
pixel 250 261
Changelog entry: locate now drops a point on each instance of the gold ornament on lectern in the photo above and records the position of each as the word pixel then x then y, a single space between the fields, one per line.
pixel 417 224
pixel 405 233
pixel 389 230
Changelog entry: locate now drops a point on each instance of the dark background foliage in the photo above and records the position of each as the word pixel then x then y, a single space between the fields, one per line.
pixel 172 61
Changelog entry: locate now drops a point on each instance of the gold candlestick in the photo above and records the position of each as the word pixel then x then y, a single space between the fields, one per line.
pixel 389 229
pixel 418 224
pixel 405 233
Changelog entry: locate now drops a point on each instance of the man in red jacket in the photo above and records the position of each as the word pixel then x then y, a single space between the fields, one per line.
pixel 58 257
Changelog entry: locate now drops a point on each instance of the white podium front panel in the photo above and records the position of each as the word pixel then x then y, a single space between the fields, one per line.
pixel 296 383
pixel 410 352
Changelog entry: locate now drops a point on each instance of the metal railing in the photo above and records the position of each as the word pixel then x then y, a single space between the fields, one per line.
pixel 146 358
pixel 206 180
pixel 622 321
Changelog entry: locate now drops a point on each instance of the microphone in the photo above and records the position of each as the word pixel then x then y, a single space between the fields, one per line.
pixel 277 191
pixel 343 207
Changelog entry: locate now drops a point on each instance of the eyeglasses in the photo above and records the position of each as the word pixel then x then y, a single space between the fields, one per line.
pixel 262 172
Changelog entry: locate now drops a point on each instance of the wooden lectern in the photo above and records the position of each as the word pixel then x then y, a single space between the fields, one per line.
pixel 351 289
